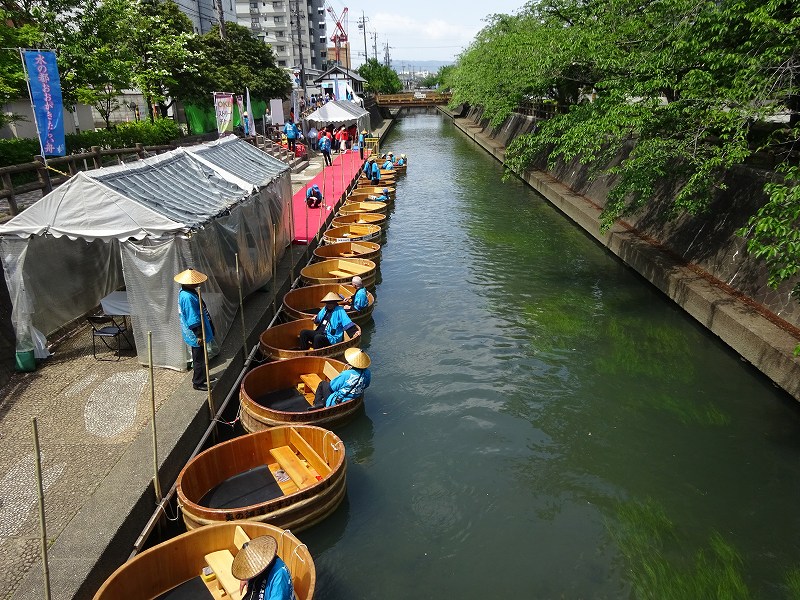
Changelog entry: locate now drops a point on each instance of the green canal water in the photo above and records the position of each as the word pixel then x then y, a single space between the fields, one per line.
pixel 542 423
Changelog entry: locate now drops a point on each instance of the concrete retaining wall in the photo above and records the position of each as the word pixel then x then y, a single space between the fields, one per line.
pixel 699 262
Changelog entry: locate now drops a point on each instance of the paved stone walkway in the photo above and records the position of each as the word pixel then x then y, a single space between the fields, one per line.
pixel 87 412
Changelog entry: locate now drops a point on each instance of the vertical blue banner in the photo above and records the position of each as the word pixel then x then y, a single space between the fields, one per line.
pixel 46 99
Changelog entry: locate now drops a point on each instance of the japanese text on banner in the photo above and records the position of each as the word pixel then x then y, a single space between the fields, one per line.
pixel 45 88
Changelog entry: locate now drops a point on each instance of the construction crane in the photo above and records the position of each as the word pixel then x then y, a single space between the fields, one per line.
pixel 339 36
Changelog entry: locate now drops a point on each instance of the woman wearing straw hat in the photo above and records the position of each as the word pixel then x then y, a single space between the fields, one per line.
pixel 349 384
pixel 332 321
pixel 359 300
pixel 189 309
pixel 258 566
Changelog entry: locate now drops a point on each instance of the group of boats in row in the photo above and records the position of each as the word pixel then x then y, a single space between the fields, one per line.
pixel 289 470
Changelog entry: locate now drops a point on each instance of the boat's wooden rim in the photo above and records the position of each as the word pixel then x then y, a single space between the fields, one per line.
pixel 161 568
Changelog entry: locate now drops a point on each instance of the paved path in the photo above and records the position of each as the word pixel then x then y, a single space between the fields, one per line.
pixel 88 411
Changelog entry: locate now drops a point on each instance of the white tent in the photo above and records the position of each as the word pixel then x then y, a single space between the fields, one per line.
pixel 138 225
pixel 340 112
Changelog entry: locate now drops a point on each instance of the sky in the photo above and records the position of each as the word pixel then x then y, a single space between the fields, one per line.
pixel 417 29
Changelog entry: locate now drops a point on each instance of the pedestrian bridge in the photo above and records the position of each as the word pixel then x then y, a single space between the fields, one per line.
pixel 426 98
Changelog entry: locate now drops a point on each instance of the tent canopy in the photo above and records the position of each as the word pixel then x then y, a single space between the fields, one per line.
pixel 138 224
pixel 340 112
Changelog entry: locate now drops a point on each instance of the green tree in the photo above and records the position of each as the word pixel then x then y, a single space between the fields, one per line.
pixel 684 91
pixel 95 62
pixel 12 76
pixel 439 78
pixel 159 39
pixel 380 78
pixel 240 61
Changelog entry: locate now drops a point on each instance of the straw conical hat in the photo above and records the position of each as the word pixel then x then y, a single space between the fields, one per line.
pixel 190 277
pixel 255 557
pixel 357 357
pixel 331 297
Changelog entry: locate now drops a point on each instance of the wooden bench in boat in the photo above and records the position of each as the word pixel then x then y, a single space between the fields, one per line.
pixel 311 381
pixel 337 273
pixel 221 561
pixel 295 469
pixel 353 268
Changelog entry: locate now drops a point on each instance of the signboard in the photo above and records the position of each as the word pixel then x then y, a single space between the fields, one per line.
pixel 48 110
pixel 223 106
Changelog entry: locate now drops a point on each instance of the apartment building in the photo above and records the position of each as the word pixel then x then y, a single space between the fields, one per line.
pixel 203 13
pixel 274 22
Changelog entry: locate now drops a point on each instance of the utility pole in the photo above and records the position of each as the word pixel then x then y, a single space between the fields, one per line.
pixel 375 45
pixel 220 18
pixel 386 60
pixel 299 30
pixel 362 24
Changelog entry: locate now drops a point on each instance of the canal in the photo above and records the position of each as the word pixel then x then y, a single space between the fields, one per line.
pixel 542 422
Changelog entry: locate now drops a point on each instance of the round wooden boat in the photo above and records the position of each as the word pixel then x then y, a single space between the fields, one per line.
pixel 367 250
pixel 359 219
pixel 291 477
pixel 176 565
pixel 374 190
pixel 400 168
pixel 303 302
pixel 281 394
pixel 351 233
pixel 281 341
pixel 339 270
pixel 384 182
pixel 353 208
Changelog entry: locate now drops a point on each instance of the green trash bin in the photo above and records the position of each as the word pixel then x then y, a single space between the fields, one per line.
pixel 26 362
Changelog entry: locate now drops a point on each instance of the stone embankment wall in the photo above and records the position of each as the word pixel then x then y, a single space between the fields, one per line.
pixel 700 262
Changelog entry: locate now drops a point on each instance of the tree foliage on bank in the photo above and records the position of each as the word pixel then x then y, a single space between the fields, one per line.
pixel 107 46
pixel 682 89
pixel 380 78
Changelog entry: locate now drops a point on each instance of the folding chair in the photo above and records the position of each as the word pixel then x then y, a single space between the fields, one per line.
pixel 105 327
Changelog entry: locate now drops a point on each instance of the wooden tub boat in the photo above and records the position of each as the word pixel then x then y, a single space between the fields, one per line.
pixel 291 477
pixel 352 208
pixel 384 182
pixel 367 250
pixel 351 233
pixel 358 198
pixel 374 190
pixel 339 270
pixel 281 341
pixel 176 565
pixel 303 302
pixel 281 394
pixel 359 219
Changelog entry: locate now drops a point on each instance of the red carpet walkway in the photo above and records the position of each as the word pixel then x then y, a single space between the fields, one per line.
pixel 333 182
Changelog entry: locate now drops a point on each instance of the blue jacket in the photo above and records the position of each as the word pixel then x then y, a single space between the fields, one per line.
pixel 324 144
pixel 400 162
pixel 360 299
pixel 275 584
pixel 189 310
pixel 348 385
pixel 313 189
pixel 338 322
pixel 375 173
pixel 388 165
pixel 290 129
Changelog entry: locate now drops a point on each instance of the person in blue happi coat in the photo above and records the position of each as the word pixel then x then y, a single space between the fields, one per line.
pixel 349 384
pixel 292 133
pixel 332 321
pixel 191 327
pixel 359 300
pixel 388 165
pixel 382 197
pixel 258 567
pixel 313 196
pixel 374 172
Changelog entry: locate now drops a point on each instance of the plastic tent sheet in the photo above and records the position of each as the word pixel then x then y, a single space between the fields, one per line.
pixel 53 280
pixel 340 112
pixel 82 208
